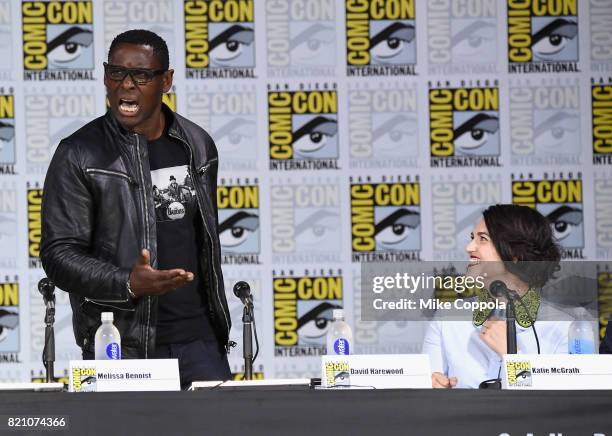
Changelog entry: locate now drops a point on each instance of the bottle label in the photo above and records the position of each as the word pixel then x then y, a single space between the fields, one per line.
pixel 341 346
pixel 582 346
pixel 113 351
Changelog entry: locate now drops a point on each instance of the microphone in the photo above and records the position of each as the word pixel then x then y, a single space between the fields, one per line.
pixel 46 287
pixel 242 290
pixel 499 289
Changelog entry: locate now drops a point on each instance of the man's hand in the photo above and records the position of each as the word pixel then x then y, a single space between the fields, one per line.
pixel 493 333
pixel 145 280
pixel 440 381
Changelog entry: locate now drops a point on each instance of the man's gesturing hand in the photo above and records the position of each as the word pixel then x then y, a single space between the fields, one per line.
pixel 145 280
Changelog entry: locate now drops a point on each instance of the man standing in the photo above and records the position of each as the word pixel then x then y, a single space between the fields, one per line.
pixel 102 240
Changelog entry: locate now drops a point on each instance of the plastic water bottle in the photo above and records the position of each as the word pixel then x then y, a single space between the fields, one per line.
pixel 339 336
pixel 581 337
pixel 108 340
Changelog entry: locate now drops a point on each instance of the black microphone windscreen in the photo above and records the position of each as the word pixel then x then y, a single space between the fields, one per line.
pixel 498 288
pixel 242 289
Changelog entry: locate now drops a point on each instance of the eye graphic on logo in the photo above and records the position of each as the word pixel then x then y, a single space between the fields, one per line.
pixel 8 321
pixel 524 374
pixel 235 134
pixel 68 46
pixel 236 228
pixel 314 136
pixel 563 220
pixel 315 323
pixel 316 227
pixel 394 133
pixel 553 38
pixel 312 42
pixel 475 132
pixel 394 229
pixel 89 380
pixel 557 134
pixel 7 131
pixel 229 44
pixel 341 378
pixel 391 41
pixel 476 39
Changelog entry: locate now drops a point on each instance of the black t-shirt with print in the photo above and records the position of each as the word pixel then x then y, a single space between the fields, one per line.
pixel 182 314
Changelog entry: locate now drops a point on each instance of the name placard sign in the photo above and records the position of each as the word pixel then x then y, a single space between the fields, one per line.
pixel 557 371
pixel 376 371
pixel 124 375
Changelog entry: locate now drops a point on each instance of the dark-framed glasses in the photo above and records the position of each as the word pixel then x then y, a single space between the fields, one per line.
pixel 140 76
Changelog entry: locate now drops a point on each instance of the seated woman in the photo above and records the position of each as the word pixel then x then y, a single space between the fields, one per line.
pixel 513 244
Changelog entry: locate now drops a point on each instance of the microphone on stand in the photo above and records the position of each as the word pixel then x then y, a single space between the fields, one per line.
pixel 47 289
pixel 242 290
pixel 499 289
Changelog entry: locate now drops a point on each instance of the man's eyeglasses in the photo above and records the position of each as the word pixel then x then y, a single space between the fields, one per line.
pixel 140 76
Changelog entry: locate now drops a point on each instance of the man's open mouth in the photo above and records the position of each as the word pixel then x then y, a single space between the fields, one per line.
pixel 128 107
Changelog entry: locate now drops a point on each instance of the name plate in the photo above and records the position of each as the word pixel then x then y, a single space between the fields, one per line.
pixel 557 371
pixel 129 375
pixel 376 371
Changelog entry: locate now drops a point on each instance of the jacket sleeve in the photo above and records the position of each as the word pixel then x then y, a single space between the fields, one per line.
pixel 68 220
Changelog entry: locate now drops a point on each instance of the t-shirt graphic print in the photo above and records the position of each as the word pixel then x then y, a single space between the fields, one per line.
pixel 173 193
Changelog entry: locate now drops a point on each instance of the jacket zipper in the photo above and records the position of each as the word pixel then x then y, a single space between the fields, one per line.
pixel 100 303
pixel 109 173
pixel 195 185
pixel 145 237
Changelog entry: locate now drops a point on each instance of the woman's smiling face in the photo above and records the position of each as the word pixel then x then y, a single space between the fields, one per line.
pixel 484 258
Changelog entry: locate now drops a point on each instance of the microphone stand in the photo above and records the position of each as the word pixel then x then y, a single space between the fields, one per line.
pixel 49 350
pixel 247 340
pixel 510 326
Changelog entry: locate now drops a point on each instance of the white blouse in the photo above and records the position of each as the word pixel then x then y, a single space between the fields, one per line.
pixel 456 350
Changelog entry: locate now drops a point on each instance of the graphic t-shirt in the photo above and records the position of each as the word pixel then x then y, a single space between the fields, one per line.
pixel 182 313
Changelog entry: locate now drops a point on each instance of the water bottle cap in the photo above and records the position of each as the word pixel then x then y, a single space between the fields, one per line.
pixel 338 313
pixel 107 316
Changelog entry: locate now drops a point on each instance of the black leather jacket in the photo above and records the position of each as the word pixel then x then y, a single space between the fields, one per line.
pixel 97 215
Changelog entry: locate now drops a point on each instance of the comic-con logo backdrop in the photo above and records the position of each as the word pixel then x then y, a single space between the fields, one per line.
pixel 219 38
pixel 239 227
pixel 464 126
pixel 303 127
pixel 383 126
pixel 7 132
pixel 9 319
pixel 385 219
pixel 303 306
pixel 306 220
pixel 601 113
pixel 543 36
pixel 559 199
pixel 301 38
pixel 380 37
pixel 462 37
pixel 58 40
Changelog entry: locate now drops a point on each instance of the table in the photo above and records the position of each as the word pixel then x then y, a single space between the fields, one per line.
pixel 323 412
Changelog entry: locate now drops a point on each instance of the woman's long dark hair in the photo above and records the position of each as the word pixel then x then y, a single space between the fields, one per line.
pixel 525 242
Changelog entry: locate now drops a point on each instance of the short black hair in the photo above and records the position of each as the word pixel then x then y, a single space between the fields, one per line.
pixel 525 242
pixel 144 37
